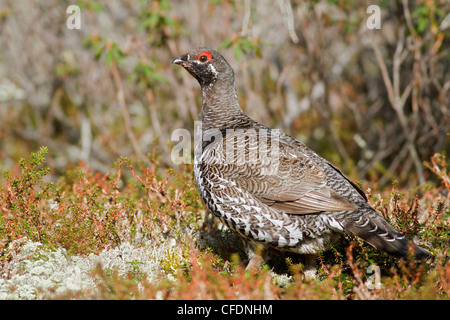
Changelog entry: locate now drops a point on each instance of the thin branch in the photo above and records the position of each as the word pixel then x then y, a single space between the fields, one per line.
pixel 398 101
pixel 126 114
pixel 384 73
pixel 288 18
pixel 246 21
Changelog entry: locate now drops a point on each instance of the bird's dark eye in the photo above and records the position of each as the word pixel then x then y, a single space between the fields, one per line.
pixel 204 56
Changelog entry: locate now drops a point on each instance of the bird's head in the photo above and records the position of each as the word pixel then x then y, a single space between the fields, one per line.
pixel 207 66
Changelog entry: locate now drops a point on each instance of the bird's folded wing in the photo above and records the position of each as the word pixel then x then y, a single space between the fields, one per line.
pixel 297 186
pixel 311 202
pixel 292 180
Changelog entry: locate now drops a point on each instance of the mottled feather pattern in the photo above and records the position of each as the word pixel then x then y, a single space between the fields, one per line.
pixel 234 192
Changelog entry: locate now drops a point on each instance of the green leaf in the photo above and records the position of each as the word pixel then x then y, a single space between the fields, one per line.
pixel 422 24
pixel 158 77
pixel 420 11
pixel 109 58
pixel 258 52
pixel 237 52
pixel 99 51
pixel 226 43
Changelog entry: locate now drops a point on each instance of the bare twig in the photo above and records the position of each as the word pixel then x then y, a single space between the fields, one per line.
pixel 126 114
pixel 398 100
pixel 288 17
pixel 247 19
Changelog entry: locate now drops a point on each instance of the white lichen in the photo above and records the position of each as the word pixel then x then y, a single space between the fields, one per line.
pixel 36 272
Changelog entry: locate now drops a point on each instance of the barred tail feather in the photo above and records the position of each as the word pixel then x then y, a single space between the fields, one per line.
pixel 380 234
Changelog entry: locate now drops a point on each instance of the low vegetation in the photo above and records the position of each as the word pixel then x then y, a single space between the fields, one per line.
pixel 170 248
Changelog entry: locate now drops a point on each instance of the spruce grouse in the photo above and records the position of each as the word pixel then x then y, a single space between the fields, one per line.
pixel 270 188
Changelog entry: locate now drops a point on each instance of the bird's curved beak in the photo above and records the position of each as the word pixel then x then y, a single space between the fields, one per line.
pixel 182 60
pixel 178 61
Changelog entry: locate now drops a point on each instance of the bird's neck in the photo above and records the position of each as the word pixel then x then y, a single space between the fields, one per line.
pixel 221 108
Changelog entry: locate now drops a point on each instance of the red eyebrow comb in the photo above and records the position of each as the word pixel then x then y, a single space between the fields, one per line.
pixel 206 53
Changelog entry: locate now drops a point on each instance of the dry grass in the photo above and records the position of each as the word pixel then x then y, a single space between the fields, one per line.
pixel 86 215
pixel 375 102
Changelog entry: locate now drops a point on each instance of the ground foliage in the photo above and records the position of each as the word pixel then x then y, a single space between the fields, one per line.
pixel 86 213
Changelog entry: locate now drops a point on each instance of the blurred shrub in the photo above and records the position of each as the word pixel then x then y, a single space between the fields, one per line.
pixel 376 102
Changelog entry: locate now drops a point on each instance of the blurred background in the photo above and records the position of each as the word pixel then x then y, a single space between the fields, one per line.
pixel 376 102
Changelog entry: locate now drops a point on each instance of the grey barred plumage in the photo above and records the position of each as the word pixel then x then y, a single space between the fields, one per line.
pixel 286 197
